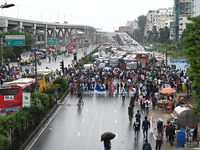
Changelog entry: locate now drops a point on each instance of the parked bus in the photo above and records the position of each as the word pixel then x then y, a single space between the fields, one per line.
pixel 143 59
pixel 11 93
pixel 45 78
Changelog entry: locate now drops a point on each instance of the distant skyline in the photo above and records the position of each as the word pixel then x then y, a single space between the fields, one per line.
pixel 105 15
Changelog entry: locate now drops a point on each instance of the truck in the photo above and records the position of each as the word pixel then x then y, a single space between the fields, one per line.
pixel 26 58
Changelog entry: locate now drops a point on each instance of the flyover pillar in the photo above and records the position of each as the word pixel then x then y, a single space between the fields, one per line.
pixel 45 36
pixel 4 24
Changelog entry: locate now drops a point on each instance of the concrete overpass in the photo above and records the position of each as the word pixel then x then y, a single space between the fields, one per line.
pixel 43 30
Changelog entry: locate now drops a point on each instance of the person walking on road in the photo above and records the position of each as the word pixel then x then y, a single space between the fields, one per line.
pixel 130 112
pixel 145 127
pixel 123 95
pixel 167 130
pixel 147 104
pixel 107 143
pixel 152 120
pixel 136 128
pixel 159 138
pixel 171 133
pixel 138 116
pixel 146 146
pixel 80 98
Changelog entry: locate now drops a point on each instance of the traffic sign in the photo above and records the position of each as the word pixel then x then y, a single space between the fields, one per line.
pixel 15 40
pixel 52 41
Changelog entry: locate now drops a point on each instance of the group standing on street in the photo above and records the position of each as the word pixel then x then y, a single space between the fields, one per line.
pixel 135 86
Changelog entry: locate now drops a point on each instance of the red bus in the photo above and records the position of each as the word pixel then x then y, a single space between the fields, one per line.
pixel 11 93
pixel 70 49
pixel 143 59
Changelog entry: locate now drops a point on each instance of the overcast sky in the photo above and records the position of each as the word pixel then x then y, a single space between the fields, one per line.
pixel 107 15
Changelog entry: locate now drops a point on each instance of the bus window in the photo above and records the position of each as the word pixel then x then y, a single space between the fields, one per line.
pixel 9 91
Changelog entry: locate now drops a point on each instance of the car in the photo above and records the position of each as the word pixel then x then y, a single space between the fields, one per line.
pixel 88 66
pixel 107 68
pixel 103 65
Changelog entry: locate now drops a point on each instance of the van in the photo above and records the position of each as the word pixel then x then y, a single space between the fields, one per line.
pixel 88 66
pixel 94 57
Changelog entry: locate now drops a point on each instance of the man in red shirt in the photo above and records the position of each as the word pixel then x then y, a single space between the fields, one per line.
pixel 166 130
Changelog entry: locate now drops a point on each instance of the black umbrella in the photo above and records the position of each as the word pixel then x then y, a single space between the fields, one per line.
pixel 108 135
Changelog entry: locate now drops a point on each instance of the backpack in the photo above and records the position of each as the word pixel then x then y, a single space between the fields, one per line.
pixel 147 103
pixel 147 146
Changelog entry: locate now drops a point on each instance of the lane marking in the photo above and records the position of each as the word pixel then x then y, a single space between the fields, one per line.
pixel 79 134
pixel 83 120
pixel 86 110
pixel 115 111
pixel 115 121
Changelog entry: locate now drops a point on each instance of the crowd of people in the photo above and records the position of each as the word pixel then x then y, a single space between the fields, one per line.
pixel 140 86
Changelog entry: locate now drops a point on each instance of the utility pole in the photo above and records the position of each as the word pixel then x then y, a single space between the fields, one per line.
pixel 166 53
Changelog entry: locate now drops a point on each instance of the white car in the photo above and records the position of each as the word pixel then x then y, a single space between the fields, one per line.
pixel 107 68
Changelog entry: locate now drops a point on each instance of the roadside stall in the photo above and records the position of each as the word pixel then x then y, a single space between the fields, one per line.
pixel 186 123
pixel 166 103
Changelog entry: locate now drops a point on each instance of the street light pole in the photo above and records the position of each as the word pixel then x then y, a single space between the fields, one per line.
pixel 29 11
pixel 2 52
pixel 36 85
pixel 166 53
pixel 153 55
pixel 42 14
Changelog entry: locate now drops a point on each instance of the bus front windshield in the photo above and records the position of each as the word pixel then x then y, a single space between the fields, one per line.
pixel 131 66
pixel 143 64
pixel 33 76
pixel 114 61
pixel 142 57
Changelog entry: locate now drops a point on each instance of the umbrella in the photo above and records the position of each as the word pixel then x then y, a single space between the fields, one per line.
pixel 108 135
pixel 50 49
pixel 167 91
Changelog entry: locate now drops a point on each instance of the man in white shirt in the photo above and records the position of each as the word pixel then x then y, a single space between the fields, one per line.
pixel 147 104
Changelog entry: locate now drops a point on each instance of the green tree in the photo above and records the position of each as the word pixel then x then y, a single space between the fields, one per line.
pixel 155 34
pixel 141 25
pixel 192 46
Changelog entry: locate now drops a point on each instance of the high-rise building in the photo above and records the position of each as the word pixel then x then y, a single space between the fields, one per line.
pixel 195 8
pixel 181 7
pixel 182 23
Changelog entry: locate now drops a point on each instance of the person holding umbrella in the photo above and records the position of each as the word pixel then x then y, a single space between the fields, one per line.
pixel 106 138
pixel 107 144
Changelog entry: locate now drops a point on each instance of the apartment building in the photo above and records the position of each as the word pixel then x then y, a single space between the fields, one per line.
pixel 182 23
pixel 158 18
pixel 129 27
pixel 195 8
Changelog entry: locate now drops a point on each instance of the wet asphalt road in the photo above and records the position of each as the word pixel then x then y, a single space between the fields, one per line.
pixel 80 127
